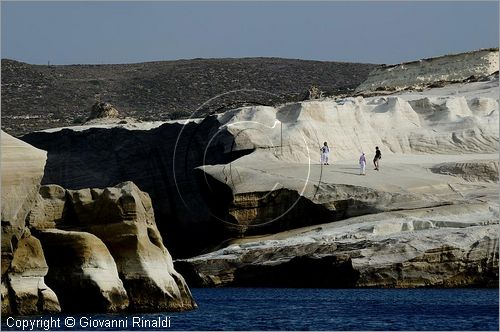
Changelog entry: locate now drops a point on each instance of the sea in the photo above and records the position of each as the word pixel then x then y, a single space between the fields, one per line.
pixel 260 309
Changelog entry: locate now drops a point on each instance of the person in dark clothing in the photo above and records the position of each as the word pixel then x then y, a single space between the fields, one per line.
pixel 378 156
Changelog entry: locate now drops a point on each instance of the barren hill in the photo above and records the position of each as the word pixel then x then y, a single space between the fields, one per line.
pixel 40 96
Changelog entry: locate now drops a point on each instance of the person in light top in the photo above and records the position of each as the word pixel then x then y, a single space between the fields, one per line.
pixel 362 164
pixel 325 152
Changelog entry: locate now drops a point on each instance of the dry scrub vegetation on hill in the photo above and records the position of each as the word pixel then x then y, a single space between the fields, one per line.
pixel 37 97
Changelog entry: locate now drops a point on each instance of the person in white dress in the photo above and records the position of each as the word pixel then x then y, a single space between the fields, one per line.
pixel 325 152
pixel 362 164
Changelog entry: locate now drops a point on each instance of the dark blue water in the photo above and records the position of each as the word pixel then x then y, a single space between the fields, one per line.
pixel 322 309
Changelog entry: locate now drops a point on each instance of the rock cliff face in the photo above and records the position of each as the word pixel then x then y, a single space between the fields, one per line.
pixel 122 217
pixel 24 267
pixel 159 160
pixel 28 293
pixel 22 170
pixel 434 71
pixel 113 255
pixel 82 268
pixel 262 202
pixel 48 209
pixel 99 246
pixel 439 247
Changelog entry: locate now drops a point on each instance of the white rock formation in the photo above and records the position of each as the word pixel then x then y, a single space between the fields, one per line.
pixel 22 170
pixel 80 267
pixel 104 249
pixel 26 279
pixel 123 218
pixel 450 246
pixel 24 291
pixel 83 272
pixel 428 218
pixel 480 170
pixel 431 122
pixel 421 73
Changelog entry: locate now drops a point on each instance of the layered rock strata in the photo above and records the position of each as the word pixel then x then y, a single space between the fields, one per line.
pixel 437 71
pixel 481 170
pixel 114 255
pixel 100 246
pixel 24 268
pixel 441 247
pixel 401 227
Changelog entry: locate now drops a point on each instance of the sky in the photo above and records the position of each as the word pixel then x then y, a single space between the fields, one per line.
pixel 127 32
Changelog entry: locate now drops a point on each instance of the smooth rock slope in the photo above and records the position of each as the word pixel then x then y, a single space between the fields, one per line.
pixel 408 123
pixel 431 72
pixel 24 267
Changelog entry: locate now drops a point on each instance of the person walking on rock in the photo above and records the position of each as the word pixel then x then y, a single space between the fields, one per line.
pixel 325 151
pixel 378 156
pixel 362 164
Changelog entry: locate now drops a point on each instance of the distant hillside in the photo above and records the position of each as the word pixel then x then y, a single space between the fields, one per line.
pixel 37 97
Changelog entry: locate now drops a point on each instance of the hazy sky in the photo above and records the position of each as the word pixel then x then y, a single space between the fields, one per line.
pixel 123 32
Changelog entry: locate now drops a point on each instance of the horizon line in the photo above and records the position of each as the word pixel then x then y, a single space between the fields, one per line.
pixel 494 48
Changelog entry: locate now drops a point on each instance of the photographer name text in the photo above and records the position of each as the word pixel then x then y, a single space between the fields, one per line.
pixel 56 323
